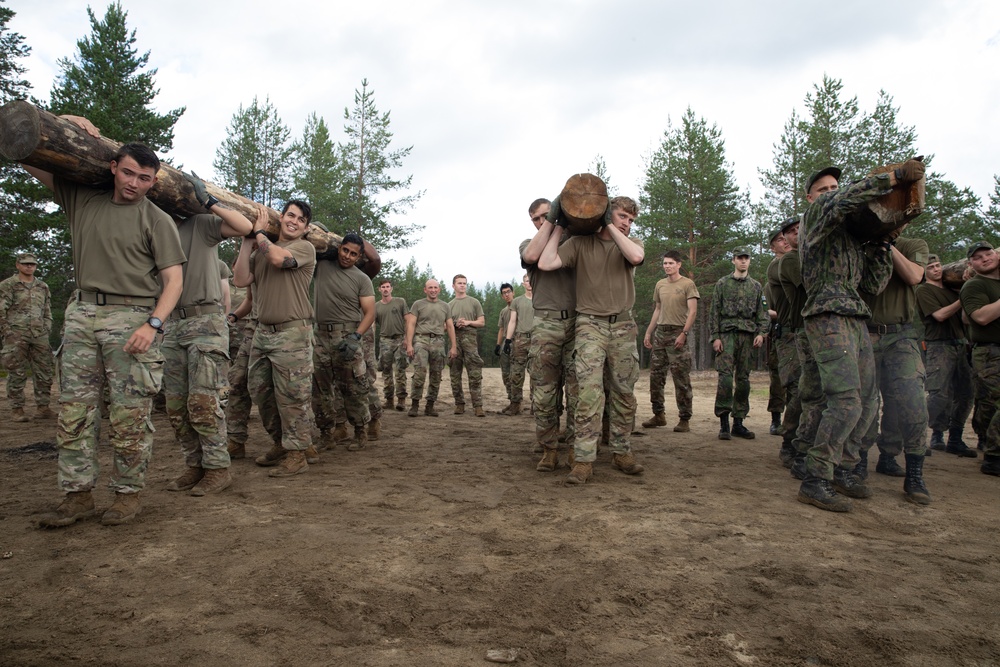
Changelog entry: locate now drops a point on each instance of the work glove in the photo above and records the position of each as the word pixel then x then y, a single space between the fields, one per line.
pixel 497 349
pixel 555 215
pixel 350 345
pixel 507 344
pixel 911 171
pixel 200 192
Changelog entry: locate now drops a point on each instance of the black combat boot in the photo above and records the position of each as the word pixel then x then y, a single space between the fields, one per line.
pixel 913 486
pixel 819 492
pixel 887 466
pixel 724 428
pixel 991 465
pixel 775 423
pixel 852 487
pixel 798 469
pixel 861 467
pixel 741 431
pixel 786 454
pixel 937 441
pixel 957 446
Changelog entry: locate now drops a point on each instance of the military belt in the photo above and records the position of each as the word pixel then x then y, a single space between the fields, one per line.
pixel 104 299
pixel 392 337
pixel 194 311
pixel 883 329
pixel 610 319
pixel 338 326
pixel 956 342
pixel 285 326
pixel 555 314
pixel 429 335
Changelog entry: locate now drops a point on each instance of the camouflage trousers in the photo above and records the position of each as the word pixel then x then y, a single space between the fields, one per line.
pixel 776 398
pixel 93 354
pixel 552 367
pixel 664 356
pixel 196 364
pixel 505 373
pixel 812 400
pixel 948 384
pixel 843 358
pixel 986 366
pixel 239 404
pixel 348 374
pixel 429 360
pixel 899 376
pixel 789 370
pixel 604 353
pixel 24 349
pixel 732 396
pixel 468 358
pixel 280 380
pixel 368 347
pixel 392 363
pixel 518 364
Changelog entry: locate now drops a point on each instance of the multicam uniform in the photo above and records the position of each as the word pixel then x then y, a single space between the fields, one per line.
pixel 521 346
pixel 977 292
pixel 467 339
pixel 392 352
pixel 428 344
pixel 25 324
pixel 672 297
pixel 238 409
pixel 502 323
pixel 949 375
pixel 738 314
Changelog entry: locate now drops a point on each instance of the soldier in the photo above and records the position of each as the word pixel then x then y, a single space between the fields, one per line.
pixel 675 307
pixel 281 357
pixel 503 348
pixel 949 375
pixel 390 312
pixel 776 399
pixel 468 317
pixel 522 315
pixel 25 324
pixel 426 323
pixel 981 302
pixel 738 321
pixel 239 401
pixel 834 266
pixel 196 349
pixel 605 332
pixel 553 335
pixel 790 343
pixel 111 328
pixel 345 310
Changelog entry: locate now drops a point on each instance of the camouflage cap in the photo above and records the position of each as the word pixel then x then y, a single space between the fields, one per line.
pixel 793 220
pixel 741 251
pixel 775 234
pixel 26 258
pixel 829 171
pixel 933 259
pixel 978 245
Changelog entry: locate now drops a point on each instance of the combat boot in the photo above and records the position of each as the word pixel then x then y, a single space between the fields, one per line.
pixel 414 408
pixel 724 428
pixel 401 403
pixel 460 408
pixel 215 480
pixel 937 441
pixel 819 492
pixel 237 450
pixel 45 412
pixel 852 487
pixel 188 480
pixel 272 457
pixel 913 486
pixel 860 469
pixel 312 456
pixel 775 424
pixel 786 454
pixel 798 468
pixel 626 463
pixel 375 429
pixel 17 415
pixel 741 431
pixel 513 409
pixel 682 426
pixel 340 433
pixel 550 459
pixel 75 506
pixel 293 464
pixel 658 419
pixel 429 409
pixel 570 458
pixel 957 446
pixel 387 405
pixel 326 441
pixel 580 473
pixel 990 465
pixel 479 411
pixel 360 438
pixel 887 466
pixel 123 510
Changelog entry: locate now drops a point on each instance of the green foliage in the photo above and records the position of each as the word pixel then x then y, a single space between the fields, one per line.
pixel 992 214
pixel 318 172
pixel 600 169
pixel 254 160
pixel 105 83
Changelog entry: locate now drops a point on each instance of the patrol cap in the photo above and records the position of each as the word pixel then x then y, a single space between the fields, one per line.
pixel 775 234
pixel 26 258
pixel 794 220
pixel 829 171
pixel 742 250
pixel 314 223
pixel 978 245
pixel 933 259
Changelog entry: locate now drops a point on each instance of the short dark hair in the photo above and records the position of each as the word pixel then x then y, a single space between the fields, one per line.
pixel 141 153
pixel 674 255
pixel 384 281
pixel 303 206
pixel 535 204
pixel 457 276
pixel 504 286
pixel 351 237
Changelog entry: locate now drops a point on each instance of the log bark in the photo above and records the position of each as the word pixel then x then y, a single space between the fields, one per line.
pixel 953 274
pixel 584 201
pixel 891 211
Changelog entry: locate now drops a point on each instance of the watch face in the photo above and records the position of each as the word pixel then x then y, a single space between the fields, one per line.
pixel 156 323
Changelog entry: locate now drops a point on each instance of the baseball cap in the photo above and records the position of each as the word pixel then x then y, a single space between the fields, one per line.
pixel 933 259
pixel 829 171
pixel 978 245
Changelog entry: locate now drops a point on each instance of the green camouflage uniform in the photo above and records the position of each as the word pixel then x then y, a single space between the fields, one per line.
pixel 949 375
pixel 25 324
pixel 977 292
pixel 392 360
pixel 738 314
pixel 775 390
pixel 348 375
pixel 239 404
pixel 834 267
pixel 784 280
pixel 467 339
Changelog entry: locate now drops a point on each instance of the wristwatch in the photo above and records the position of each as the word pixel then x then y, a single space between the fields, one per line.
pixel 156 323
pixel 260 231
pixel 232 315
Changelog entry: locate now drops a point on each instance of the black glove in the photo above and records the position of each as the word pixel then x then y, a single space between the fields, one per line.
pixel 497 349
pixel 606 219
pixel 350 345
pixel 507 343
pixel 911 171
pixel 200 192
pixel 555 215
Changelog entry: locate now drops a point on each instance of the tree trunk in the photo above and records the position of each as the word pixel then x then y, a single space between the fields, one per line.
pixel 584 200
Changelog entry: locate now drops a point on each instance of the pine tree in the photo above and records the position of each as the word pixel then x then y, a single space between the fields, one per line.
pixel 992 214
pixel 105 82
pixel 318 174
pixel 254 160
pixel 600 169
pixel 831 130
pixel 784 183
pixel 881 140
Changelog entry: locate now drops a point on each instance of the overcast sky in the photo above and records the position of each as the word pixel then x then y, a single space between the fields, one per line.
pixel 503 101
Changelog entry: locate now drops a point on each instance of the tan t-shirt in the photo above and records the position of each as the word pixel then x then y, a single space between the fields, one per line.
pixel 338 292
pixel 504 320
pixel 389 317
pixel 605 283
pixel 117 248
pixel 468 308
pixel 550 290
pixel 672 297
pixel 200 236
pixel 525 310
pixel 282 295
pixel 431 316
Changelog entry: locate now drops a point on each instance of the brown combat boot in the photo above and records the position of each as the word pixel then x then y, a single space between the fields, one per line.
pixel 123 510
pixel 580 473
pixel 513 409
pixel 550 459
pixel 293 464
pixel 460 408
pixel 326 441
pixel 414 408
pixel 237 450
pixel 682 426
pixel 375 429
pixel 387 405
pixel 626 463
pixel 401 403
pixel 215 480
pixel 360 439
pixel 571 458
pixel 75 506
pixel 17 415
pixel 480 412
pixel 658 419
pixel 429 409
pixel 45 412
pixel 188 480
pixel 272 457
pixel 312 455
pixel 340 433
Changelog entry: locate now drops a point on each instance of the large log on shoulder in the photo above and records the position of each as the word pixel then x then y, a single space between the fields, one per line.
pixel 954 274
pixel 37 138
pixel 891 211
pixel 584 201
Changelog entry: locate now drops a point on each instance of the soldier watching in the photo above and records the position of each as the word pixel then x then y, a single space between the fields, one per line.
pixel 25 324
pixel 426 324
pixel 468 317
pixel 390 313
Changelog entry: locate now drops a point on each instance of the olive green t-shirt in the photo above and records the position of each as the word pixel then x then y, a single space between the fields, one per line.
pixel 282 295
pixel 117 248
pixel 431 316
pixel 672 297
pixel 389 317
pixel 550 290
pixel 338 292
pixel 468 308
pixel 200 236
pixel 776 299
pixel 503 321
pixel 525 310
pixel 930 299
pixel 605 283
pixel 897 303
pixel 977 292
pixel 790 279
pixel 224 272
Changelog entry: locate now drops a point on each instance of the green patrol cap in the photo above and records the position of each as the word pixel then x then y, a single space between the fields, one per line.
pixel 978 245
pixel 829 171
pixel 26 258
pixel 775 234
pixel 742 250
pixel 933 259
pixel 794 220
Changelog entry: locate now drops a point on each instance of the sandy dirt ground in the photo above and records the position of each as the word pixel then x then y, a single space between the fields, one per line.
pixel 440 543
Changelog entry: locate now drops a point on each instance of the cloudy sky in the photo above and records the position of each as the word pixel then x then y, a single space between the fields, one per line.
pixel 502 102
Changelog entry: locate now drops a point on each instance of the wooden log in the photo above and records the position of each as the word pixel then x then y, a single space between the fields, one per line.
pixel 954 274
pixel 584 201
pixel 37 138
pixel 891 211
